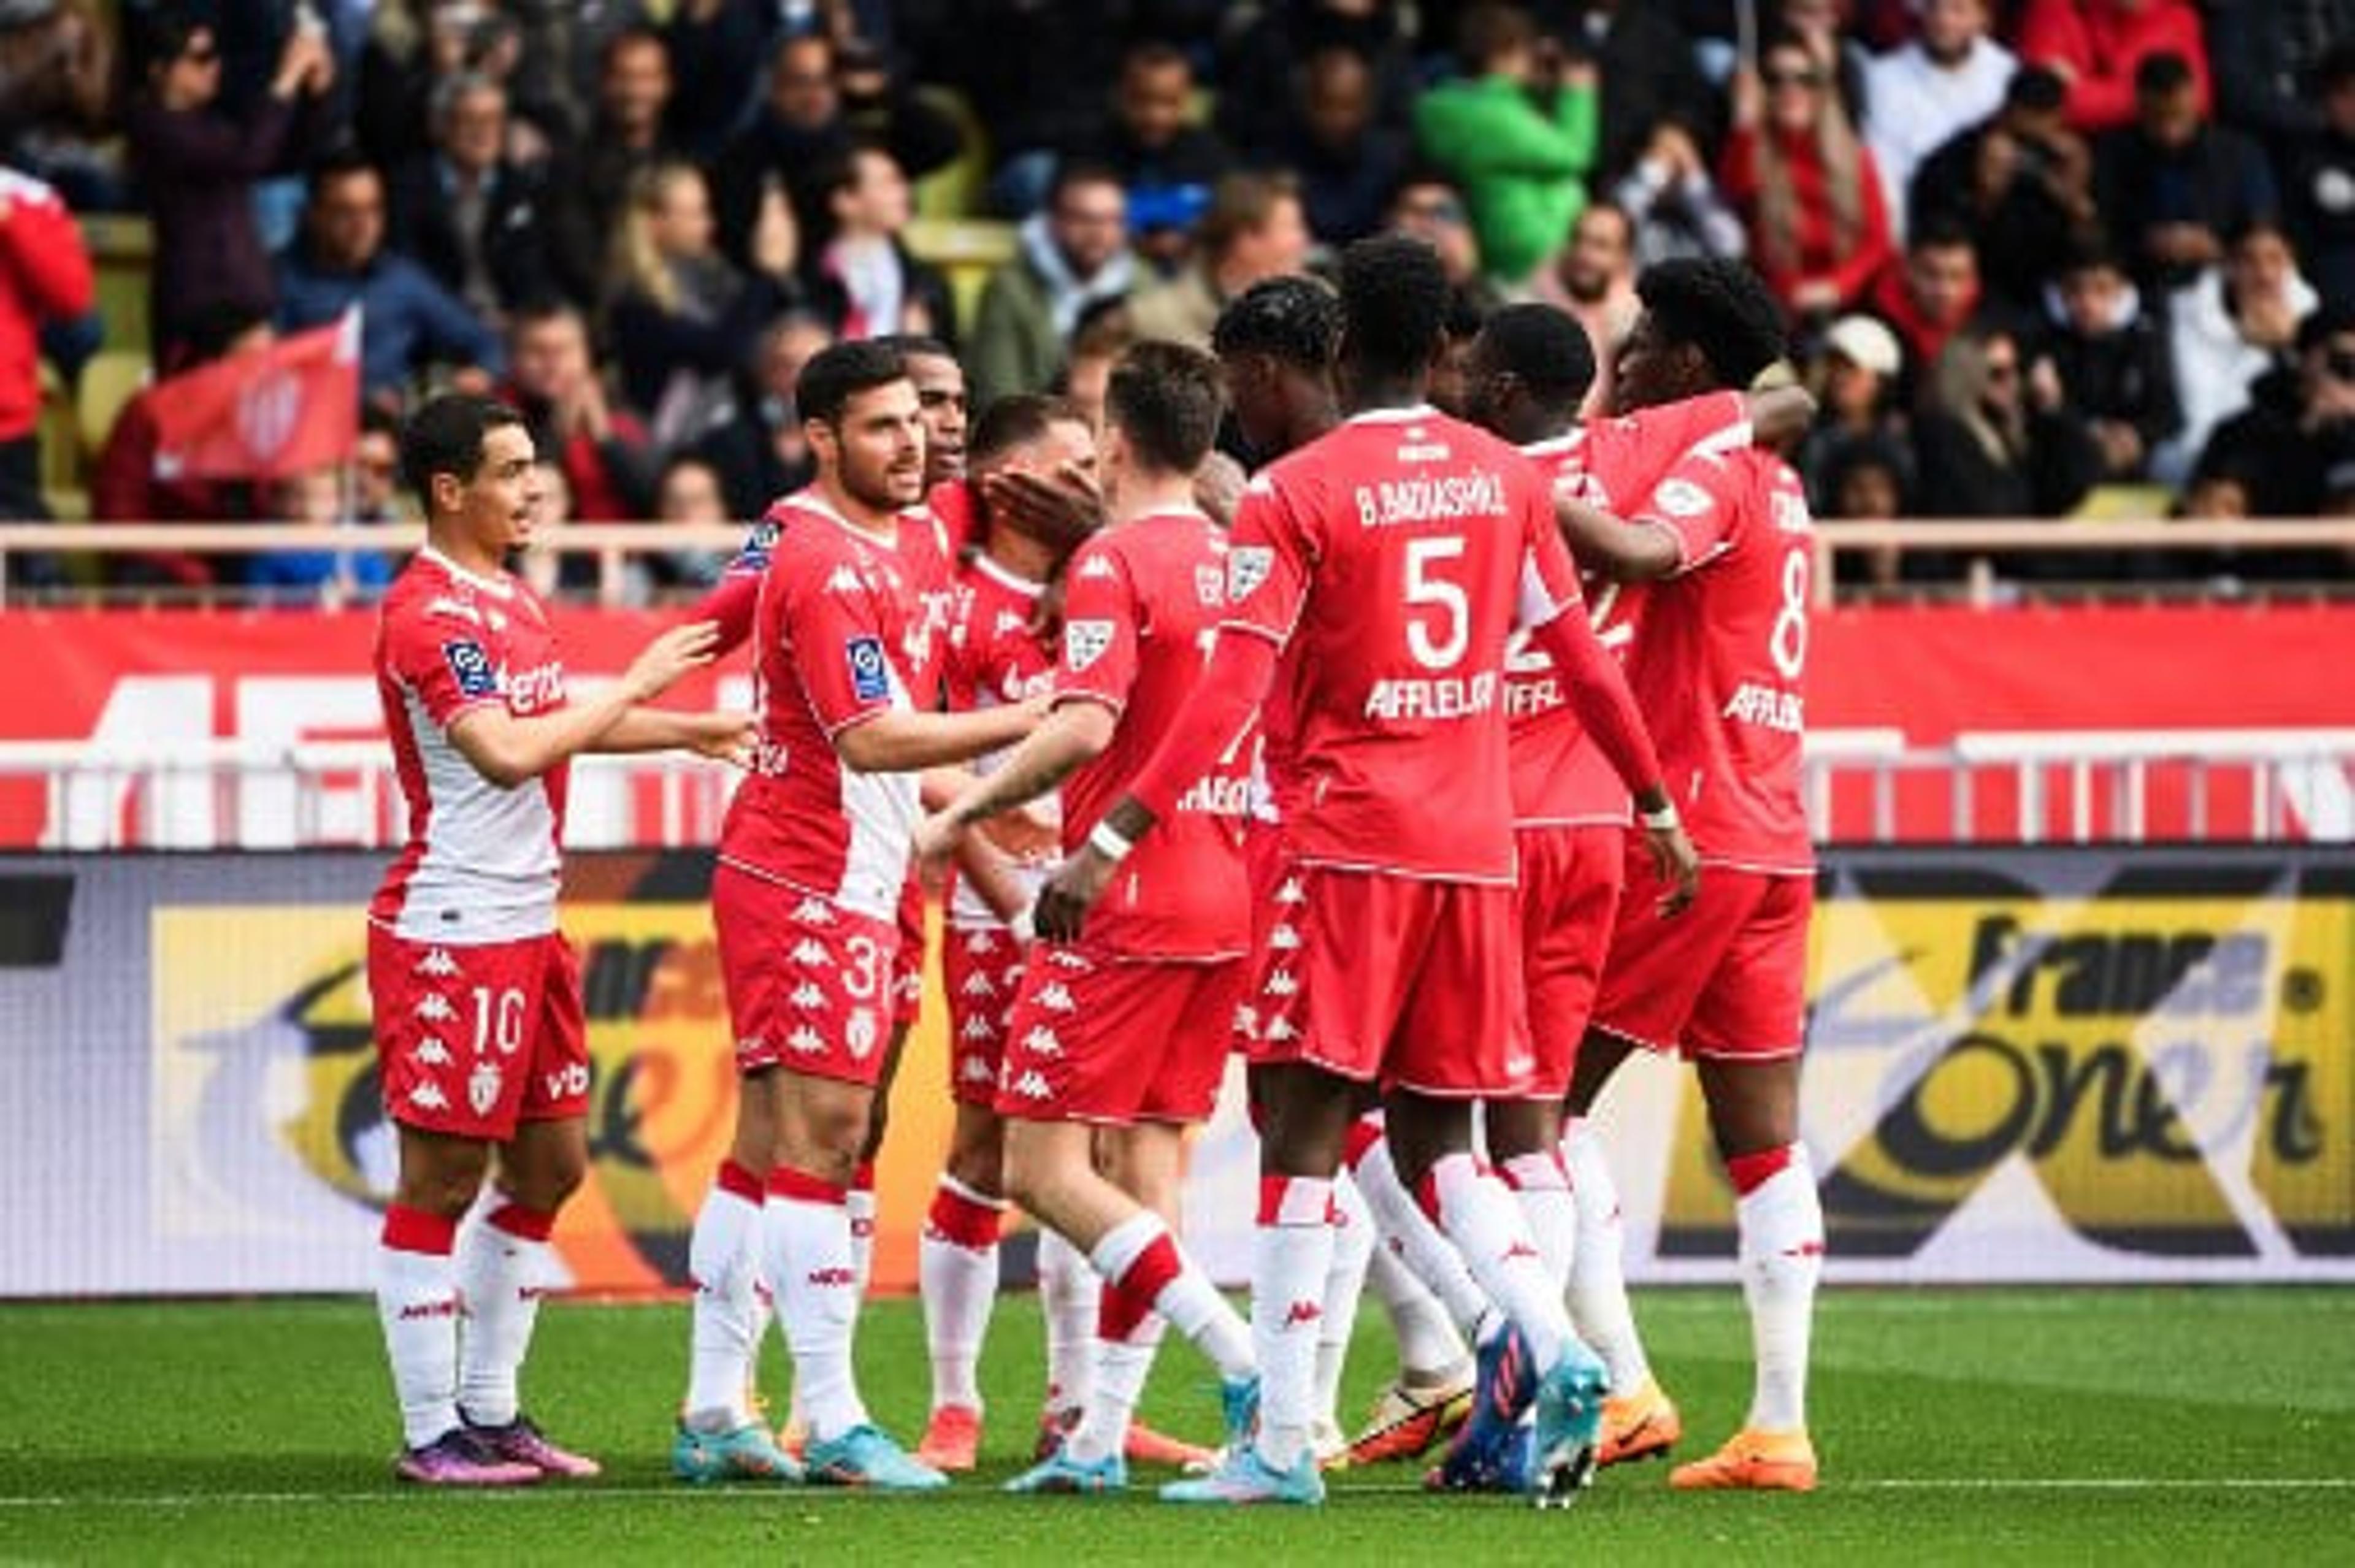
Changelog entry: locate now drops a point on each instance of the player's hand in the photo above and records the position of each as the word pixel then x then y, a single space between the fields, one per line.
pixel 669 657
pixel 722 737
pixel 1024 836
pixel 1063 507
pixel 1070 892
pixel 938 837
pixel 1677 863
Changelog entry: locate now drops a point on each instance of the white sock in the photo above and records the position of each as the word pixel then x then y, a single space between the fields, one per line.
pixel 1430 1350
pixel 1068 1289
pixel 806 1235
pixel 1781 1222
pixel 1293 1251
pixel 503 1265
pixel 1598 1283
pixel 1541 1185
pixel 1141 1257
pixel 724 1266
pixel 957 1269
pixel 1420 1244
pixel 1115 1386
pixel 1345 1286
pixel 1480 1216
pixel 417 1303
pixel 859 1204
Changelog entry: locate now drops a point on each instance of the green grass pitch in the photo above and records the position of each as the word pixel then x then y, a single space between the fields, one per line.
pixel 2063 1426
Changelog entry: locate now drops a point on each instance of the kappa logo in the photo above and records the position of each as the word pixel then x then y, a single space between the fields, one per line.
pixel 566 1083
pixel 1247 1020
pixel 1248 566
pixel 429 1097
pixel 907 988
pixel 1210 585
pixel 456 609
pixel 438 962
pixel 1282 1031
pixel 431 1052
pixel 483 1086
pixel 1292 892
pixel 979 942
pixel 975 1070
pixel 1301 1314
pixel 813 912
pixel 845 579
pixel 1007 622
pixel 1056 997
pixel 1042 1041
pixel 978 984
pixel 809 953
pixel 808 997
pixel 806 1041
pixel 1283 984
pixel 860 1034
pixel 433 1007
pixel 1084 642
pixel 1065 958
pixel 976 1028
pixel 1033 1085
pixel 1284 939
pixel 1097 568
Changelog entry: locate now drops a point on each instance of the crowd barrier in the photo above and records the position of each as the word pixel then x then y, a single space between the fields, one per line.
pixel 2040 1064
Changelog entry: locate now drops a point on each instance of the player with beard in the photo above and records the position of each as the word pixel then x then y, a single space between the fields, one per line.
pixel 479 1033
pixel 813 859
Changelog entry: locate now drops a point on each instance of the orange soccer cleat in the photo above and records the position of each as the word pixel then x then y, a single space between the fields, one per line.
pixel 1641 1425
pixel 1143 1446
pixel 1753 1461
pixel 952 1440
pixel 1409 1421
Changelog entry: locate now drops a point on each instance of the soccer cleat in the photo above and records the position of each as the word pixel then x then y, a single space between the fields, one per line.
pixel 1496 1463
pixel 746 1453
pixel 521 1443
pixel 1407 1421
pixel 1054 1426
pixel 457 1459
pixel 1641 1425
pixel 1325 1441
pixel 1061 1475
pixel 1244 1478
pixel 1753 1461
pixel 1143 1446
pixel 1569 1427
pixel 794 1437
pixel 865 1457
pixel 952 1439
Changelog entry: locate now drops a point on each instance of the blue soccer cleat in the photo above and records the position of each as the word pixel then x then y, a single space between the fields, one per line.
pixel 749 1453
pixel 1504 1387
pixel 1244 1478
pixel 865 1457
pixel 1569 1427
pixel 1059 1475
pixel 1238 1403
pixel 1496 1464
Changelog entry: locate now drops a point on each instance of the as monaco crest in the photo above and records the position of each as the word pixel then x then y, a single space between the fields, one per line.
pixel 1084 642
pixel 267 413
pixel 1248 566
pixel 483 1087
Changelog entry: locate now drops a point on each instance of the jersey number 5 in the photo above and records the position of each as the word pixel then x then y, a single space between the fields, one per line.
pixel 1425 588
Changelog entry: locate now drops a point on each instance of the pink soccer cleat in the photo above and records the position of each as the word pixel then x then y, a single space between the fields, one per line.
pixel 521 1443
pixel 456 1459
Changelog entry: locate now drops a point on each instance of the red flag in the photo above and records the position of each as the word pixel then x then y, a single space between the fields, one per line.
pixel 287 409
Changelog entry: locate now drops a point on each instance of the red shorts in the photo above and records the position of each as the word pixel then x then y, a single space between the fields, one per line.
pixel 1096 1038
pixel 809 983
pixel 472 1040
pixel 1569 891
pixel 908 962
pixel 982 969
pixel 1727 978
pixel 1412 984
pixel 1263 867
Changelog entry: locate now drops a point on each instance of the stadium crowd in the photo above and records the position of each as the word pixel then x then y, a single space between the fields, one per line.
pixel 2030 247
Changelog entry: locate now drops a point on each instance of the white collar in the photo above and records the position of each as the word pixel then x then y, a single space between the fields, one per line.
pixel 1393 416
pixel 502 585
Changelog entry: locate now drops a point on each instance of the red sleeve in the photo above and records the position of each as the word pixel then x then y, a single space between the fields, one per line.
pixel 1222 707
pixel 836 631
pixel 734 599
pixel 1100 629
pixel 1267 564
pixel 1630 455
pixel 1699 502
pixel 443 657
pixel 45 249
pixel 1555 613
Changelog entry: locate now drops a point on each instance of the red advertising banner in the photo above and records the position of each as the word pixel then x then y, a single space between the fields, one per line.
pixel 1881 680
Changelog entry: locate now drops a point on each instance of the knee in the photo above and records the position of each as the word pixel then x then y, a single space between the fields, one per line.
pixel 444 1184
pixel 1029 1174
pixel 979 1165
pixel 548 1181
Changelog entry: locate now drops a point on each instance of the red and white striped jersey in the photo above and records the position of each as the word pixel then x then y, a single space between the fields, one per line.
pixel 481 862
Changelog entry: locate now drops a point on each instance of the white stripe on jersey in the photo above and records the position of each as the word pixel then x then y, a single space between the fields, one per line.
pixel 490 869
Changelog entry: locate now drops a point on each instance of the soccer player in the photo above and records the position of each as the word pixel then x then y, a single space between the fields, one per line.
pixel 1397 553
pixel 1129 1029
pixel 1720 552
pixel 480 1042
pixel 813 863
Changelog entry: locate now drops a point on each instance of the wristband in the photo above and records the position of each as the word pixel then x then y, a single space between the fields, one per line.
pixel 1110 842
pixel 1660 821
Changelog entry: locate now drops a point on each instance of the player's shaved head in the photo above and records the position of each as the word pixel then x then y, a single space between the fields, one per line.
pixel 1165 400
pixel 1292 319
pixel 1394 304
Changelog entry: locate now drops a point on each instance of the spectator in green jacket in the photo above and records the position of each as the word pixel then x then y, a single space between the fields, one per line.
pixel 1074 253
pixel 1518 131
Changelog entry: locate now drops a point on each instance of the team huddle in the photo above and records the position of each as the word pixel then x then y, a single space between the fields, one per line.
pixel 1438 767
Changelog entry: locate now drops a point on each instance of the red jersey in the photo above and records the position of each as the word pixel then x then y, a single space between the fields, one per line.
pixel 993 659
pixel 1141 604
pixel 841 635
pixel 1720 667
pixel 1392 555
pixel 1560 776
pixel 479 864
pixel 925 556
